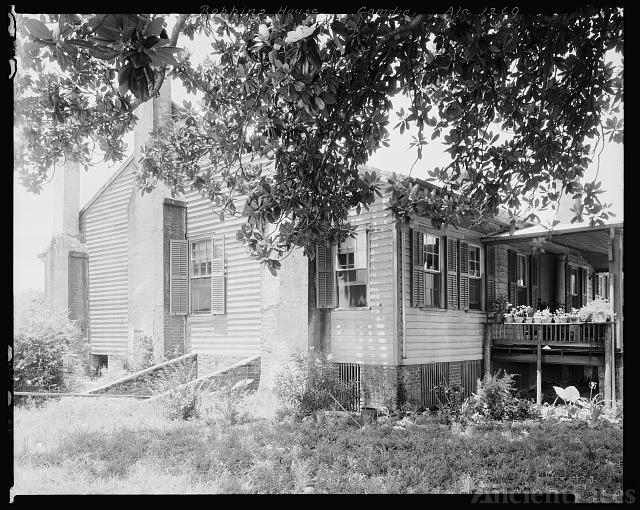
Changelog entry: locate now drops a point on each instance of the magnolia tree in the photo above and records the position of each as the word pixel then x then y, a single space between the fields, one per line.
pixel 293 103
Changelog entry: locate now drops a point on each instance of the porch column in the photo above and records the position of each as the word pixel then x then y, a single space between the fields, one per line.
pixel 609 369
pixel 616 294
pixel 539 371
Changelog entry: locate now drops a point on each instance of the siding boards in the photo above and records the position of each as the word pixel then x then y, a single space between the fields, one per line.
pixel 238 331
pixel 368 335
pixel 104 229
pixel 438 334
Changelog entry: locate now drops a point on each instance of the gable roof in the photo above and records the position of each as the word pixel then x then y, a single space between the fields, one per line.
pixel 102 189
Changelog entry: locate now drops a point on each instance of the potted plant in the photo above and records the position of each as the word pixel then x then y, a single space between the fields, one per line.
pixel 509 316
pixel 543 316
pixel 520 313
pixel 560 316
pixel 529 311
pixel 598 310
pixel 500 307
pixel 574 315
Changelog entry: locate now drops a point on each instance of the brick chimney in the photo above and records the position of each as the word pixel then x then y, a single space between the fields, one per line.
pixel 66 258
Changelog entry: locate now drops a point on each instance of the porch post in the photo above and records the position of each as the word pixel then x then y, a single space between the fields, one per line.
pixel 608 372
pixel 539 371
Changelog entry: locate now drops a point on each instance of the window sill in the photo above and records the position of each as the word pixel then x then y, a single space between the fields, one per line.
pixel 350 309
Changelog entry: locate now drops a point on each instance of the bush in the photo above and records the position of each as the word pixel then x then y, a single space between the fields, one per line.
pixel 43 341
pixel 496 399
pixel 181 401
pixel 227 401
pixel 311 384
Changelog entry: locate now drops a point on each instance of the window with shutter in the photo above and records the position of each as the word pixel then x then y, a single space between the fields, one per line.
pixel 432 270
pixel 201 253
pixel 325 277
pixel 490 254
pixel 178 277
pixel 417 267
pixel 452 273
pixel 463 290
pixel 351 271
pixel 218 277
pixel 584 288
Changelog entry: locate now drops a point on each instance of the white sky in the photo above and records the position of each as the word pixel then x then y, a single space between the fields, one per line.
pixel 32 223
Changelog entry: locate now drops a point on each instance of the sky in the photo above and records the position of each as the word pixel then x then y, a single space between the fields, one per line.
pixel 32 214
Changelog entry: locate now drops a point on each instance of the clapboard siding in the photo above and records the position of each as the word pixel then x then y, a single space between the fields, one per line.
pixel 238 330
pixel 368 335
pixel 439 335
pixel 104 226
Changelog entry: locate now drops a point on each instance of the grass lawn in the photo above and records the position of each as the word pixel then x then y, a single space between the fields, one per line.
pixel 108 446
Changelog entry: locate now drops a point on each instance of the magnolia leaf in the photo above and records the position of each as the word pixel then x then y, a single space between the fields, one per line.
pixel 38 29
pixel 155 27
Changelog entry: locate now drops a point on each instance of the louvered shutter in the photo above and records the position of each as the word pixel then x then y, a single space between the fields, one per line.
pixel 464 275
pixel 362 243
pixel 218 278
pixel 452 273
pixel 512 260
pixel 417 267
pixel 534 272
pixel 490 273
pixel 584 289
pixel 178 277
pixel 325 277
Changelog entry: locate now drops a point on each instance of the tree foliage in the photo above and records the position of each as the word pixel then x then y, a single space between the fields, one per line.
pixel 295 102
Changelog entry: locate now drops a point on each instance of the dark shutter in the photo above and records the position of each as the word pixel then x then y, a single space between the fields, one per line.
pixel 490 257
pixel 452 273
pixel 178 277
pixel 417 267
pixel 325 277
pixel 534 273
pixel 464 275
pixel 512 260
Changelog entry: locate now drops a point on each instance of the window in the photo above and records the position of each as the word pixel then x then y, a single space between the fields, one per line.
pixel 475 278
pixel 351 272
pixel 573 282
pixel 521 276
pixel 201 258
pixel 432 278
pixel 601 286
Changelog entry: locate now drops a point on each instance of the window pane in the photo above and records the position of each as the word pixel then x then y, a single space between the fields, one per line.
pixel 431 289
pixel 201 295
pixel 352 288
pixel 474 293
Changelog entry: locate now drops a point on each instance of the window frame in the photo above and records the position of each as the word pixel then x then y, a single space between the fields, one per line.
pixel 481 304
pixel 525 279
pixel 191 241
pixel 337 269
pixel 440 305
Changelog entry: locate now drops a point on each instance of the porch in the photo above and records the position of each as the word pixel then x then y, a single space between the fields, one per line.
pixel 584 344
pixel 558 269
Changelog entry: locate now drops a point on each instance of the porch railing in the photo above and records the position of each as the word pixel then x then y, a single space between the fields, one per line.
pixel 586 334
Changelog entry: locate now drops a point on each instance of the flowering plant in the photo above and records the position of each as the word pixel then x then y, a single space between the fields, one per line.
pixel 542 313
pixel 501 305
pixel 522 311
pixel 598 310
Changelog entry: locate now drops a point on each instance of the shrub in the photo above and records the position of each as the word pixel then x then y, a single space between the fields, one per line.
pixel 181 401
pixel 226 400
pixel 43 340
pixel 311 384
pixel 496 399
